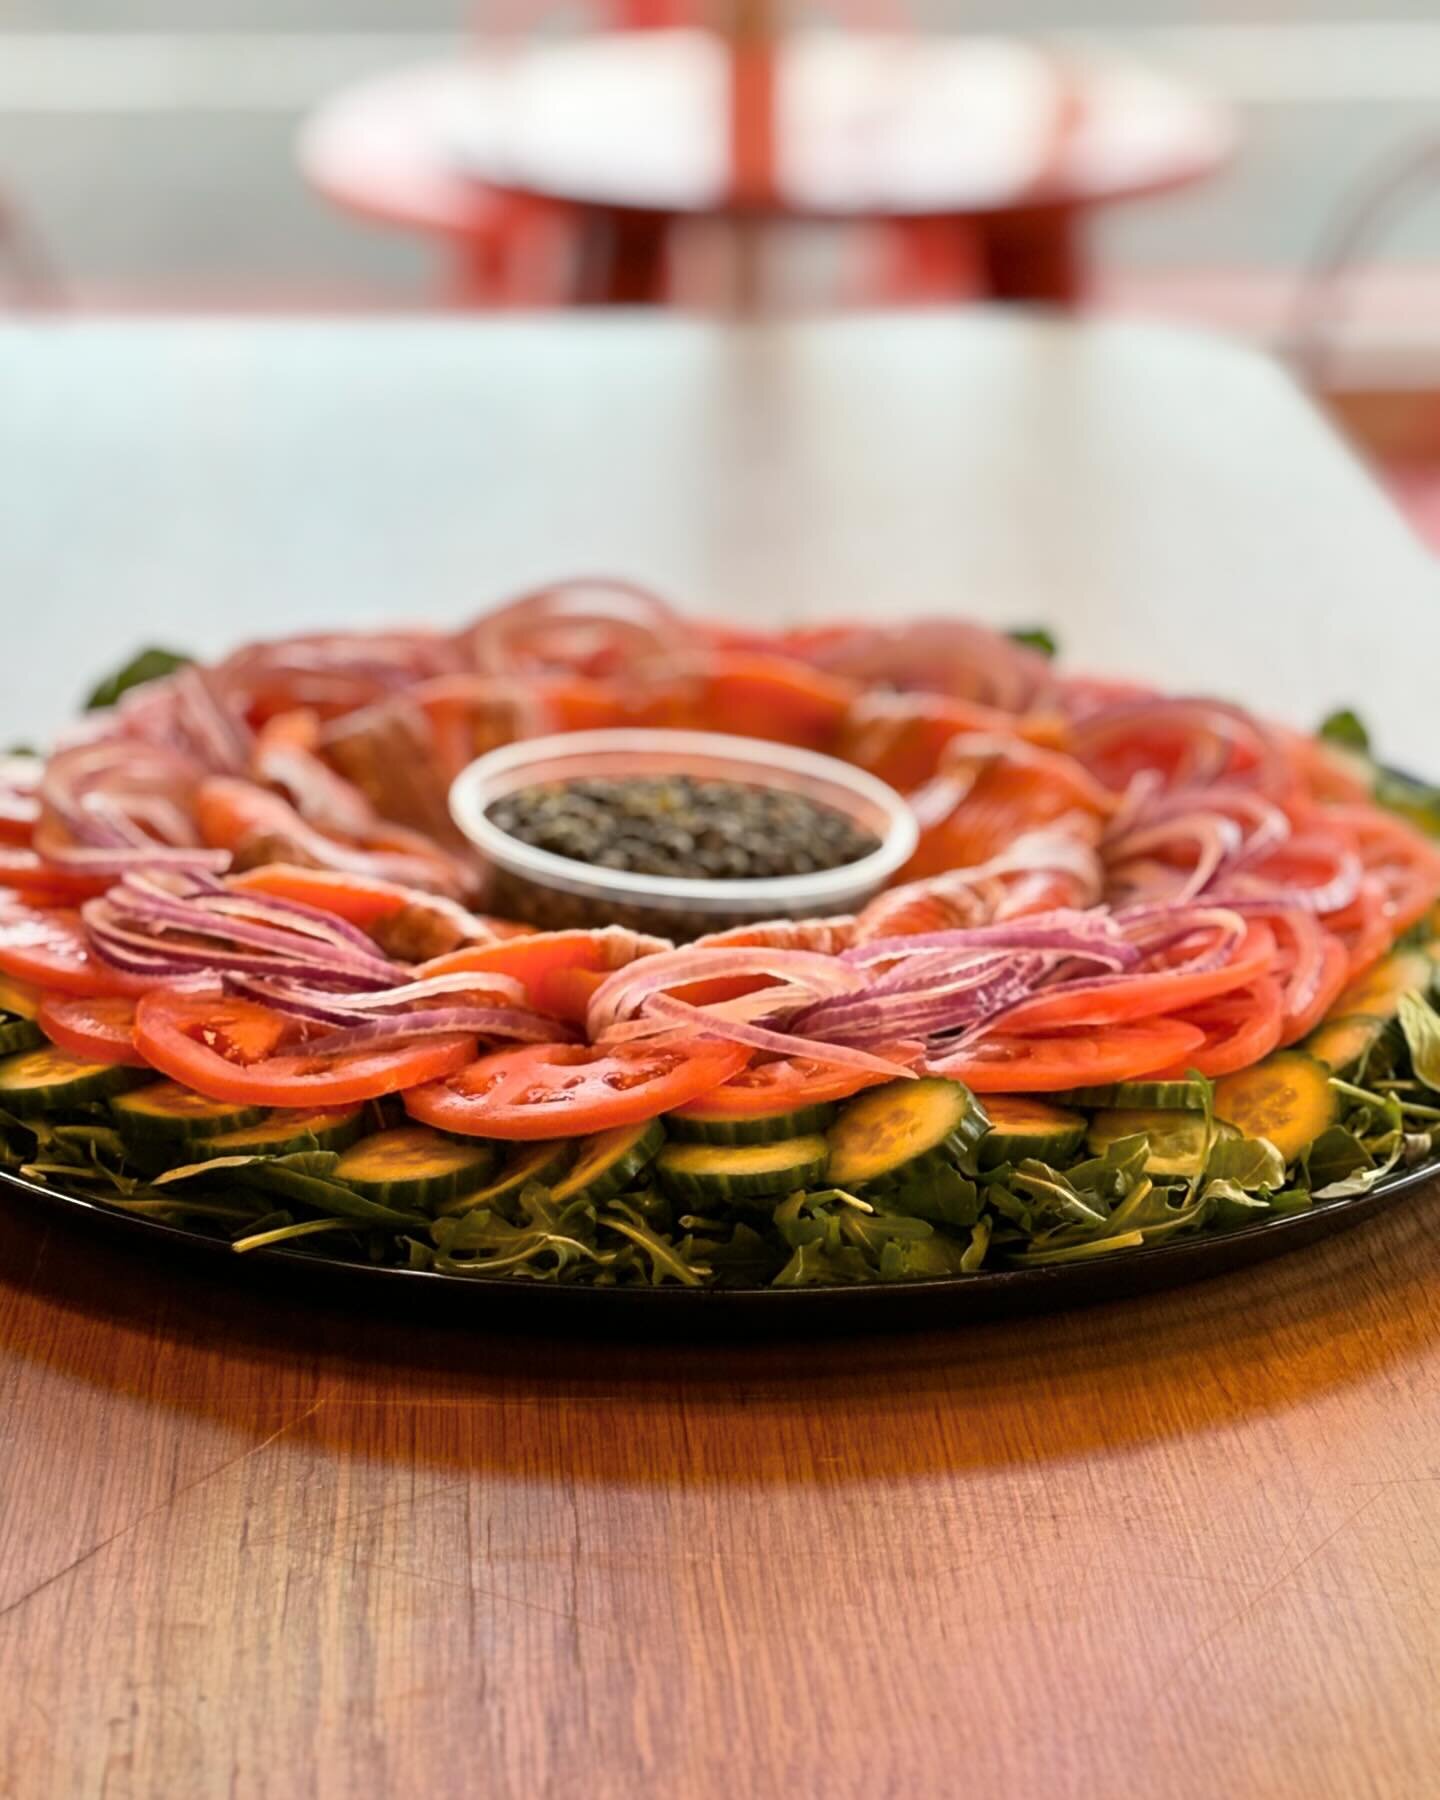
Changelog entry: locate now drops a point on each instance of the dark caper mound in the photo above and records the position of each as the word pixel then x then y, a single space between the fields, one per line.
pixel 678 826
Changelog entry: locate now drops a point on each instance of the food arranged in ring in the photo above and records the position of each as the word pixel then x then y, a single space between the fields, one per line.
pixel 1152 966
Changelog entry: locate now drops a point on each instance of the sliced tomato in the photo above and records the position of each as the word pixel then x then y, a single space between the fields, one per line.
pixel 571 1090
pixel 782 1085
pixel 101 1029
pixel 1240 1028
pixel 234 1049
pixel 1363 926
pixel 559 969
pixel 1310 963
pixel 1145 995
pixel 22 869
pixel 1066 1059
pixel 50 949
pixel 19 814
pixel 1407 863
pixel 755 695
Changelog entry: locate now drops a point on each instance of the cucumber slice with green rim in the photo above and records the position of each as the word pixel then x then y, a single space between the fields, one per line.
pixel 534 1162
pixel 413 1166
pixel 889 1137
pixel 607 1163
pixel 1344 1043
pixel 51 1080
pixel 1021 1127
pixel 716 1173
pixel 1158 1096
pixel 18 1000
pixel 279 1133
pixel 696 1126
pixel 165 1109
pixel 1380 989
pixel 19 1034
pixel 1179 1141
pixel 1287 1098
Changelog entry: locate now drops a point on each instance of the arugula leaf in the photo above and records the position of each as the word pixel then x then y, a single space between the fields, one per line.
pixel 1249 1163
pixel 148 665
pixel 1421 1025
pixel 1347 728
pixel 1035 637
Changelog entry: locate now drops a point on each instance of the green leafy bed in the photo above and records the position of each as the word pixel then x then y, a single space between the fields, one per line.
pixel 958 1220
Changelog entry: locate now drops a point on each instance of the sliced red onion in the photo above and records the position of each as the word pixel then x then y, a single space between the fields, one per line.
pixel 944 656
pixel 663 1012
pixel 223 739
pixel 479 1021
pixel 1214 731
pixel 1217 841
pixel 1072 932
pixel 1324 897
pixel 807 974
pixel 587 626
pixel 289 994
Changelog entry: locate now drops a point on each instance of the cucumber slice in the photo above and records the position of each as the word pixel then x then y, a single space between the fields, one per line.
pixel 1179 1142
pixel 1157 1096
pixel 696 1126
pixel 51 1080
pixel 534 1162
pixel 165 1109
pixel 19 1034
pixel 1379 991
pixel 1287 1098
pixel 715 1173
pixel 889 1137
pixel 1020 1127
pixel 413 1166
pixel 1343 1043
pixel 607 1163
pixel 18 1000
pixel 279 1133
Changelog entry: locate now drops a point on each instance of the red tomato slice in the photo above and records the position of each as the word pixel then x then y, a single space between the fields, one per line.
pixel 1407 863
pixel 18 816
pixel 51 950
pixel 570 1090
pixel 1240 1027
pixel 235 1050
pixel 1060 1060
pixel 1143 996
pixel 1363 926
pixel 559 969
pixel 101 1029
pixel 22 869
pixel 780 1086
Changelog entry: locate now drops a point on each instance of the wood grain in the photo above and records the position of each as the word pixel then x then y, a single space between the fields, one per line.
pixel 1184 1546
pixel 249 1546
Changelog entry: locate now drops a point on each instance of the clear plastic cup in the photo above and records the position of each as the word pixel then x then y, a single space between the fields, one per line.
pixel 555 892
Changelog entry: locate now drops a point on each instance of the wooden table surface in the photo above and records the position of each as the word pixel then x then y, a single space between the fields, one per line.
pixel 253 1547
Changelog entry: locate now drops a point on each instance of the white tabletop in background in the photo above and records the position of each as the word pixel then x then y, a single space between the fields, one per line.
pixel 1170 504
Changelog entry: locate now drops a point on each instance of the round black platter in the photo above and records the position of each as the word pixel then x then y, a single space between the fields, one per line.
pixel 743 1312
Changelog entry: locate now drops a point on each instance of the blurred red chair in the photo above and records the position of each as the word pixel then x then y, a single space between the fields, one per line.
pixel 28 278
